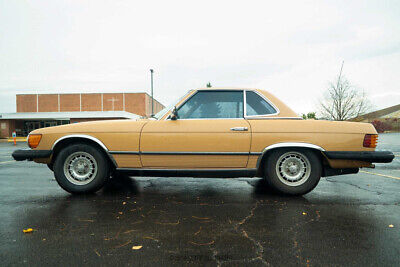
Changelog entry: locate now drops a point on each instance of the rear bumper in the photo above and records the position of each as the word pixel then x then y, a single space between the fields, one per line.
pixel 368 156
pixel 29 154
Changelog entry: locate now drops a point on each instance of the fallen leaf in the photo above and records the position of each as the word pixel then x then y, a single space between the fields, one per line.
pixel 124 203
pixel 304 213
pixel 149 237
pixel 198 231
pixel 391 225
pixel 120 212
pixel 129 231
pixel 123 245
pixel 318 215
pixel 202 244
pixel 97 253
pixel 29 230
pixel 201 218
pixel 82 220
pixel 168 223
pixel 136 247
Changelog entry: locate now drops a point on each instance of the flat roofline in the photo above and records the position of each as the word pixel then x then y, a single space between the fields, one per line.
pixel 226 88
pixel 83 93
pixel 67 115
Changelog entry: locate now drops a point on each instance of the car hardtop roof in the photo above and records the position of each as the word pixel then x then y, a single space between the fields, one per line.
pixel 226 88
pixel 284 110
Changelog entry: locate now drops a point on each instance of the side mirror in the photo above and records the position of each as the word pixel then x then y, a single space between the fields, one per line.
pixel 174 114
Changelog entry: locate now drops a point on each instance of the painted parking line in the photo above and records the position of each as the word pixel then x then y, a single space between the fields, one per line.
pixel 383 175
pixel 3 162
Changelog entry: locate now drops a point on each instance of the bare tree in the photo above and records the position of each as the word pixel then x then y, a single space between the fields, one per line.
pixel 342 101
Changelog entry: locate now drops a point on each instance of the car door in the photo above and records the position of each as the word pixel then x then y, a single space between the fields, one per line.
pixel 210 132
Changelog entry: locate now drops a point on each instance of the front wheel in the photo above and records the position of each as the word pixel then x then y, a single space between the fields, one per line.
pixel 81 168
pixel 293 171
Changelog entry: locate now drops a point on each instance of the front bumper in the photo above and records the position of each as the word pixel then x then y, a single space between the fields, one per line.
pixel 29 154
pixel 367 156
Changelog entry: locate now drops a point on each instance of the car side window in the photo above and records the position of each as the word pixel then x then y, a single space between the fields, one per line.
pixel 256 105
pixel 213 105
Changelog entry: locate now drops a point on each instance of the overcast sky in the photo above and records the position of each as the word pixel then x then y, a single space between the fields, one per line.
pixel 290 48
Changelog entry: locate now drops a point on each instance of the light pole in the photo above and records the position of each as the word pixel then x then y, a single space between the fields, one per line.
pixel 152 99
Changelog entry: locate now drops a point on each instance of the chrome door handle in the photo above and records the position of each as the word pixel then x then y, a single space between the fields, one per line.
pixel 242 129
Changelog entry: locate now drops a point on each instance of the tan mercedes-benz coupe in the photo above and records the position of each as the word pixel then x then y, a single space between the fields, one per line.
pixel 208 133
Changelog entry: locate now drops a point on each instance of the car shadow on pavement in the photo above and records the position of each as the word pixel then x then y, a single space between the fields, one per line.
pixel 120 185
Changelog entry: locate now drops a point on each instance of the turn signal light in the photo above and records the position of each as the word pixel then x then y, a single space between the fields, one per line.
pixel 370 140
pixel 34 140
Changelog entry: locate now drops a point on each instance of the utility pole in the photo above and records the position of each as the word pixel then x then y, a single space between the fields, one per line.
pixel 152 99
pixel 340 74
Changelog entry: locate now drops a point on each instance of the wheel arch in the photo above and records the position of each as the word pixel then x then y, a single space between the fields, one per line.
pixel 266 151
pixel 81 138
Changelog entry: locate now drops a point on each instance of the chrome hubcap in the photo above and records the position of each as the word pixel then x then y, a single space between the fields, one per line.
pixel 80 168
pixel 293 168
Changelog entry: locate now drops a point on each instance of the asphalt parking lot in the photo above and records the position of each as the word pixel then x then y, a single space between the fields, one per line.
pixel 346 220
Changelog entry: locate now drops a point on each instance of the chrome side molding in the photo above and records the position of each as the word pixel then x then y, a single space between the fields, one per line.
pixel 94 139
pixel 286 144
pixel 293 144
pixel 85 136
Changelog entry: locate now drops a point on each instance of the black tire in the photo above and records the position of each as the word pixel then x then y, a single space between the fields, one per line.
pixel 50 166
pixel 86 157
pixel 278 174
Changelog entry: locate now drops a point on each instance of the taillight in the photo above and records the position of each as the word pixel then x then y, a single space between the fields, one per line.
pixel 34 140
pixel 370 140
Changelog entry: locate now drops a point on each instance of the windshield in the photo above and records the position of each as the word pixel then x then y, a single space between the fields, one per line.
pixel 164 111
pixel 161 113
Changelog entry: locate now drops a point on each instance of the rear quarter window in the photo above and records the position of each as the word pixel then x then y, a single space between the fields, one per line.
pixel 256 105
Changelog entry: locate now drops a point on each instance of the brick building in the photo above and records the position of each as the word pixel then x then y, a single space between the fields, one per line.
pixel 43 110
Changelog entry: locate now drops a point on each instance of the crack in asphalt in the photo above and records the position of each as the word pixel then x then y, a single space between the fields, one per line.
pixel 259 248
pixel 296 247
pixel 214 256
pixel 357 186
pixel 257 244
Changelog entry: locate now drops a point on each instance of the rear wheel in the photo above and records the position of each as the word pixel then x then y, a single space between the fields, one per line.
pixel 81 168
pixel 50 166
pixel 293 171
